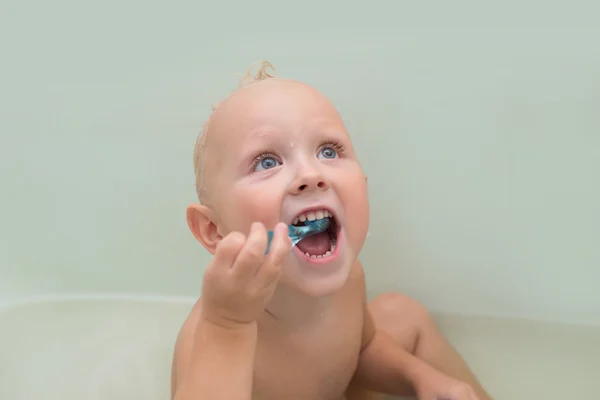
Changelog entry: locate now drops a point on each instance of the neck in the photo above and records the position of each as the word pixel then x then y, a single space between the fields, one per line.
pixel 293 308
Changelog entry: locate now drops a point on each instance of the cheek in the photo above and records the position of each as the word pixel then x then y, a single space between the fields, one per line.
pixel 353 182
pixel 254 204
pixel 356 204
pixel 360 205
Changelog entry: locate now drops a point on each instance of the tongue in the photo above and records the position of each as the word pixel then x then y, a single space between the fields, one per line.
pixel 317 244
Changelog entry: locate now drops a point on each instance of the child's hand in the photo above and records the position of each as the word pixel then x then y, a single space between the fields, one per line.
pixel 241 278
pixel 438 386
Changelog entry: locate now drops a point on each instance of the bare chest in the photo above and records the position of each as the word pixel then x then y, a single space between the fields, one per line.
pixel 315 363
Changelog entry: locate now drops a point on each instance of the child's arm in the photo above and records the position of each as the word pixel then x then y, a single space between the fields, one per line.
pixel 215 351
pixel 386 366
pixel 213 362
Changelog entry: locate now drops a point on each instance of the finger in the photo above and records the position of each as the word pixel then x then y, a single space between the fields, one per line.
pixel 280 247
pixel 228 250
pixel 470 394
pixel 253 252
pixel 270 271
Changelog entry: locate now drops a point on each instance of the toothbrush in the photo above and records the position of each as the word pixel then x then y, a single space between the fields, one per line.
pixel 297 233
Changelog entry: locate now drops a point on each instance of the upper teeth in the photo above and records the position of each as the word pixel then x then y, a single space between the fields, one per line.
pixel 312 215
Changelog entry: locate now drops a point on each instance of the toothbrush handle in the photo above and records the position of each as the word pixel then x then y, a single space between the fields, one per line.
pixel 270 239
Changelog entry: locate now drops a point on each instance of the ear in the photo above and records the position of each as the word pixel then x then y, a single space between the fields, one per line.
pixel 200 219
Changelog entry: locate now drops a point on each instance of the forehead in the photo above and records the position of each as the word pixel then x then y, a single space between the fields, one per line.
pixel 273 106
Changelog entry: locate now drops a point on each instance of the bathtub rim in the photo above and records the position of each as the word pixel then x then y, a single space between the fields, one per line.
pixel 189 301
pixel 100 297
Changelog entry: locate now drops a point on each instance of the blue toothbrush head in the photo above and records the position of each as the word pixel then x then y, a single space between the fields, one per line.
pixel 297 233
pixel 318 225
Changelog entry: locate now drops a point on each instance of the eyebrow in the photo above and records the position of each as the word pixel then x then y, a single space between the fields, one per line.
pixel 258 140
pixel 261 138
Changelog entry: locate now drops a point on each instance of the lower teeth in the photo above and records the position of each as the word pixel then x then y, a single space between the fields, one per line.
pixel 322 255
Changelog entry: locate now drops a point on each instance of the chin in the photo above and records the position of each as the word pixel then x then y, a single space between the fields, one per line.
pixel 318 286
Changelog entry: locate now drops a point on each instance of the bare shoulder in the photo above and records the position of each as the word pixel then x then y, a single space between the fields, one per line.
pixel 183 347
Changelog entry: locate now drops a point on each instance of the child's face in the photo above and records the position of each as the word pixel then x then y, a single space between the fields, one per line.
pixel 277 149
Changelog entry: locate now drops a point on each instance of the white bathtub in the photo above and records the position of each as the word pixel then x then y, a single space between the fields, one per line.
pixel 120 348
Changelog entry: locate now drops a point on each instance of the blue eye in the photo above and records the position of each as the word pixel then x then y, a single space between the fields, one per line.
pixel 266 163
pixel 328 152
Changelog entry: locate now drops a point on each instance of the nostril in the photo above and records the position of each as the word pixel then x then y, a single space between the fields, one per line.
pixel 302 187
pixel 321 185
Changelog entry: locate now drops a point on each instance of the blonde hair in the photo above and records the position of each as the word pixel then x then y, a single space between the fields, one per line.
pixel 200 148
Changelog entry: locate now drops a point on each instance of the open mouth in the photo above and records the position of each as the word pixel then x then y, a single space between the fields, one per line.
pixel 319 245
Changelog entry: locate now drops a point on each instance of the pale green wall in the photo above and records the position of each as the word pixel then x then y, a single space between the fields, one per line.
pixel 479 129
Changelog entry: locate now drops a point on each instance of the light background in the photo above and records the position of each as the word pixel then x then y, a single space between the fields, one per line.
pixel 478 125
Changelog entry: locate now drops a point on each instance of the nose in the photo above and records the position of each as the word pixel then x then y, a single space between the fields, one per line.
pixel 308 180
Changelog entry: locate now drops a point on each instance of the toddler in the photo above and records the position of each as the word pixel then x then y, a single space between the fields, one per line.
pixel 296 324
